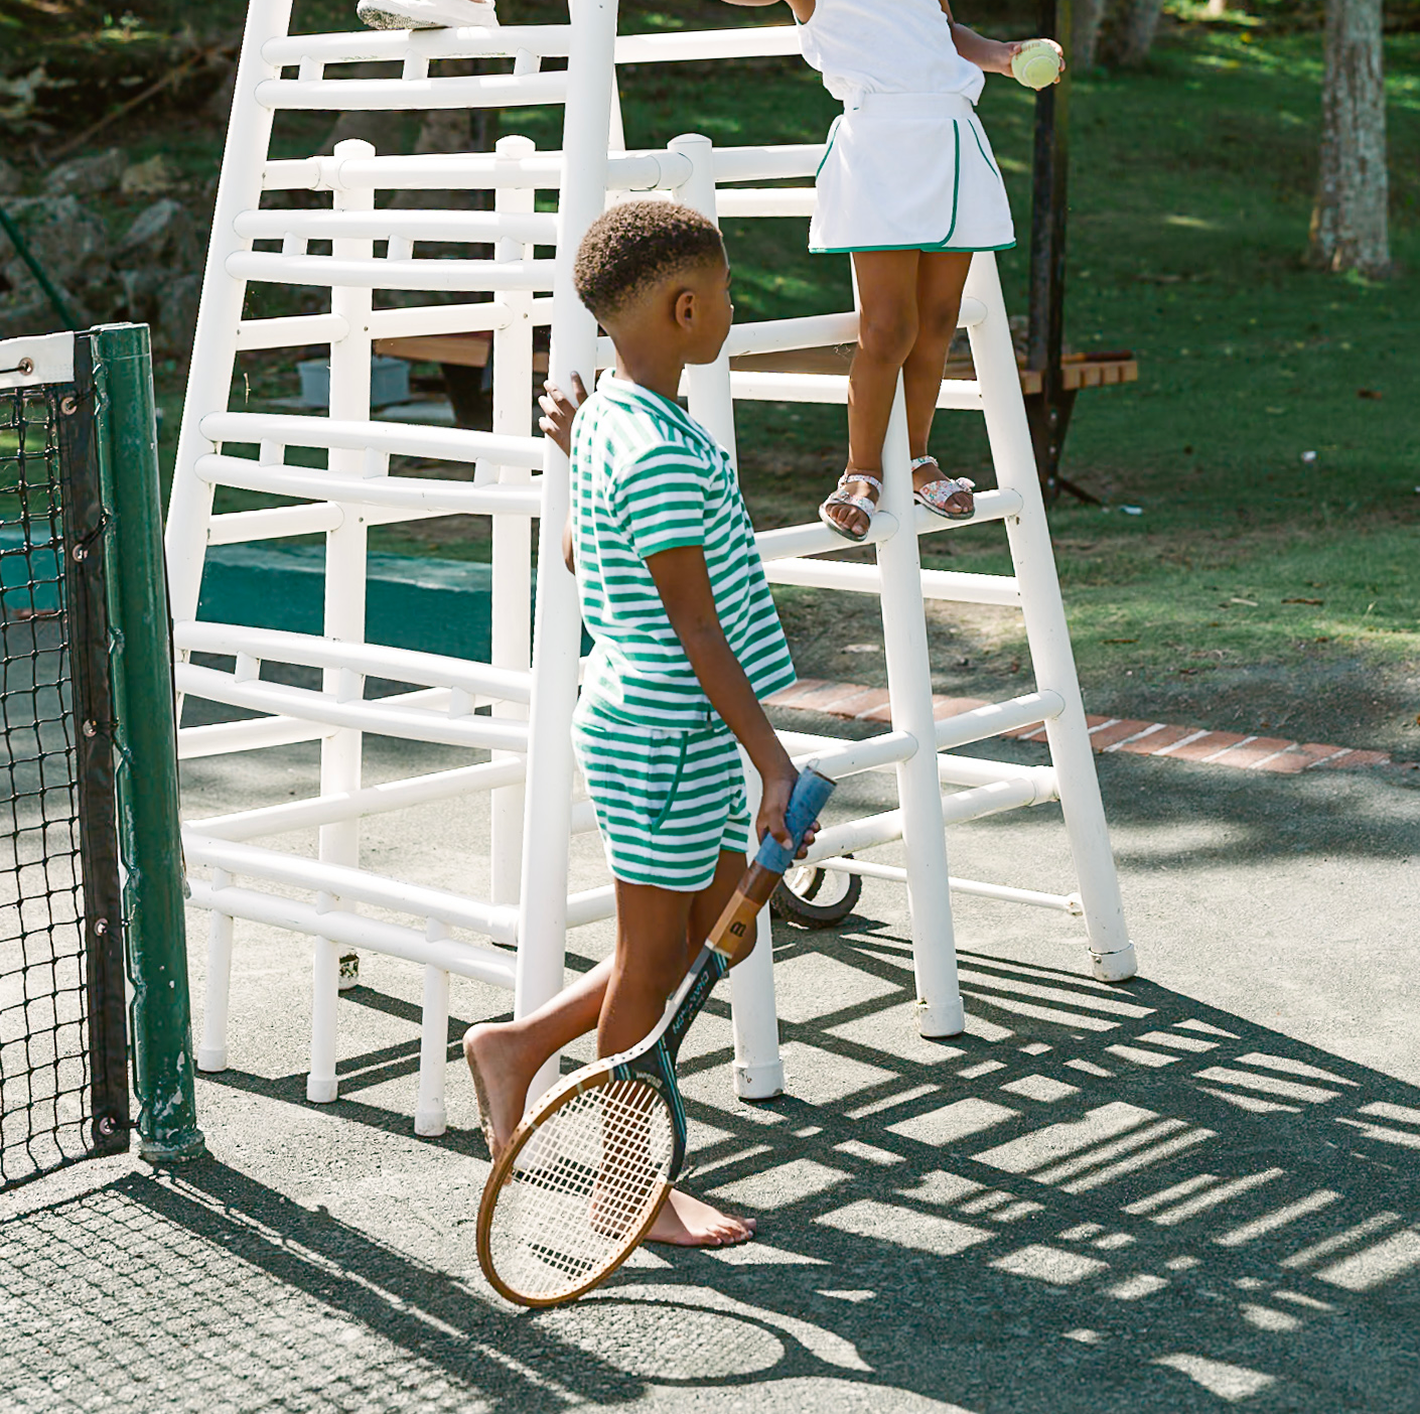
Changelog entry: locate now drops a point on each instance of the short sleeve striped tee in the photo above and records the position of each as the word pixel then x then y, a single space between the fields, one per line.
pixel 646 477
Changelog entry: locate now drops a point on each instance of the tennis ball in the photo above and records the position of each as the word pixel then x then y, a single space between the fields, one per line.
pixel 1036 64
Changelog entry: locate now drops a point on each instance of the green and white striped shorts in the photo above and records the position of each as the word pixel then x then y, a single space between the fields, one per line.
pixel 667 802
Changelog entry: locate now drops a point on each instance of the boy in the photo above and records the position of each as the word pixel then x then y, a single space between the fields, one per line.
pixel 686 642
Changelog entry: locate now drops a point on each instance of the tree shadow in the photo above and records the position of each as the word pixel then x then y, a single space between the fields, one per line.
pixel 1107 1197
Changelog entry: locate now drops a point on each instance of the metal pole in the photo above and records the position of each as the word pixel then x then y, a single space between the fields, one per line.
pixel 51 293
pixel 939 1006
pixel 1049 410
pixel 511 630
pixel 754 1015
pixel 711 402
pixel 214 345
pixel 147 740
pixel 214 353
pixel 1111 953
pixel 557 630
pixel 341 751
pixel 759 1068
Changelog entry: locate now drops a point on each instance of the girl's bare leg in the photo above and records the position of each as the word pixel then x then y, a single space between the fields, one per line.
pixel 940 277
pixel 887 331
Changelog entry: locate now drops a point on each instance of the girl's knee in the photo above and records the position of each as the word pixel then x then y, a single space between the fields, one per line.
pixel 888 334
pixel 937 321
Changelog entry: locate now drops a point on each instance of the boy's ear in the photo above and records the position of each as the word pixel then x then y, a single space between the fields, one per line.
pixel 684 308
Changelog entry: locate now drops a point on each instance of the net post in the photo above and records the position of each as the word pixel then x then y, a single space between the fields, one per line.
pixel 85 588
pixel 147 739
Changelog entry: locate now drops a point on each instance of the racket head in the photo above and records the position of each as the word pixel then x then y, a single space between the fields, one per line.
pixel 579 1185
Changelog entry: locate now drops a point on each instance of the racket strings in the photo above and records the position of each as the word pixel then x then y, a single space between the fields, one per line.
pixel 581 1189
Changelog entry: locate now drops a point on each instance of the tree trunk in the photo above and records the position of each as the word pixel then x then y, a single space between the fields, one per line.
pixel 1127 31
pixel 1348 230
pixel 1084 32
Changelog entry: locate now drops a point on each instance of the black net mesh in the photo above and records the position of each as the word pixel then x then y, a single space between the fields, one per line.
pixel 45 1080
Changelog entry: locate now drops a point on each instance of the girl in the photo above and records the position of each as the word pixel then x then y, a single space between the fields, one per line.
pixel 910 189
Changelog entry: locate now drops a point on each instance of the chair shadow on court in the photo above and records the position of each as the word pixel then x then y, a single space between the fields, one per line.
pixel 1098 1198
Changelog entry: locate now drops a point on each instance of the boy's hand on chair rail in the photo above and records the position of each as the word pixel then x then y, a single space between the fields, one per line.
pixel 778 786
pixel 558 411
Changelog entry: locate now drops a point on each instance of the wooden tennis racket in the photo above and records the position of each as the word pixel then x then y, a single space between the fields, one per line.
pixel 588 1169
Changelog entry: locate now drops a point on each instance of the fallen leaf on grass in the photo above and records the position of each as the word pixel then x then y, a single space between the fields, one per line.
pixel 1373 395
pixel 1317 602
pixel 1251 603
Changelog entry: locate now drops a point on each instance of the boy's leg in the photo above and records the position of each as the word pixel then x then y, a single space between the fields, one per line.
pixel 504 1056
pixel 940 278
pixel 657 934
pixel 887 330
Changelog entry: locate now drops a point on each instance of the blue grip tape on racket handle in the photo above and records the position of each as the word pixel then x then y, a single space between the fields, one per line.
pixel 811 793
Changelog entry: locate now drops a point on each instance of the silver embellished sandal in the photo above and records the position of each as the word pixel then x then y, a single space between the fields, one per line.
pixel 936 495
pixel 842 497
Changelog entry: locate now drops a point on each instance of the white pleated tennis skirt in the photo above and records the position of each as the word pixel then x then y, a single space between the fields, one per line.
pixel 909 171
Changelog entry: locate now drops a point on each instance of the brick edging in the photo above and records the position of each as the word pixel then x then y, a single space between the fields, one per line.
pixel 1108 734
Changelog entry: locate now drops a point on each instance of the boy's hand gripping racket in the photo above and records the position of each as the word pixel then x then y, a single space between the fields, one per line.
pixel 586 1172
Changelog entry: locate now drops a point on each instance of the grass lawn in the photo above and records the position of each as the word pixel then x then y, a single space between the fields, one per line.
pixel 1259 587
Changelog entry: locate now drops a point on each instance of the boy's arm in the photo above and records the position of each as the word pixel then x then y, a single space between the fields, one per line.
pixel 558 412
pixel 683 583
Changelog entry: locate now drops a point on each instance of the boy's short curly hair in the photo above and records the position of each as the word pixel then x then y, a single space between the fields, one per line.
pixel 636 243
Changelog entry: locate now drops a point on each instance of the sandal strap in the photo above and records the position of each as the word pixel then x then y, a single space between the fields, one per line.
pixel 939 492
pixel 867 478
pixel 859 503
pixel 960 483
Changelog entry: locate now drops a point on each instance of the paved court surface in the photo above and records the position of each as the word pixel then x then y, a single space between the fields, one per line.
pixel 1194 1192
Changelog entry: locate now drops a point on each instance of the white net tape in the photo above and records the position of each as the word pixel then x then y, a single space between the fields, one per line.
pixel 581 1189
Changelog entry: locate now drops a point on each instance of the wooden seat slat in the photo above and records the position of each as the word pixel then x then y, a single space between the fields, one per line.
pixel 1077 371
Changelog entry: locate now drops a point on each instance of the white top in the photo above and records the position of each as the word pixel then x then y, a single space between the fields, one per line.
pixel 886 46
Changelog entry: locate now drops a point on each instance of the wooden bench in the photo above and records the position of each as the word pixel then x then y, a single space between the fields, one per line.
pixel 1077 371
pixel 459 353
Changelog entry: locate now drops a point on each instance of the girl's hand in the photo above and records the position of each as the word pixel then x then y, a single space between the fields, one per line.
pixel 558 411
pixel 1015 47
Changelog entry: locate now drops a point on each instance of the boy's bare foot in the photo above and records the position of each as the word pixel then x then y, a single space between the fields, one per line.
pixel 501 1076
pixel 687 1222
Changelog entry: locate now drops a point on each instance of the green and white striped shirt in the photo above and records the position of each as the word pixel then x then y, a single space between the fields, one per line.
pixel 646 477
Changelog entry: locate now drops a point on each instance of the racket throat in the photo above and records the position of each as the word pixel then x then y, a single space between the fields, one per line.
pixel 691 996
